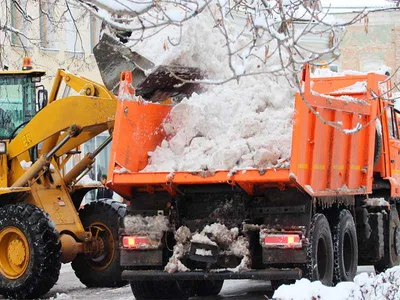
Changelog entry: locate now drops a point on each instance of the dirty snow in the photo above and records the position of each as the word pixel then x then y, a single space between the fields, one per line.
pixel 384 286
pixel 228 241
pixel 202 239
pixel 152 226
pixel 215 234
pixel 61 296
pixel 376 202
pixel 182 236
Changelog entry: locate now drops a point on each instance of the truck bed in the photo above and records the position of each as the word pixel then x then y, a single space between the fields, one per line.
pixel 325 161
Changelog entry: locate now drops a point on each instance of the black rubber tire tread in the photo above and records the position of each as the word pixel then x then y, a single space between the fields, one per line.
pixel 344 225
pixel 319 229
pixel 204 288
pixel 390 258
pixel 378 146
pixel 45 251
pixel 168 289
pixel 110 213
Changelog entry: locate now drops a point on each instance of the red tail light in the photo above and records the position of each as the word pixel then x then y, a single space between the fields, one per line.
pixel 135 242
pixel 282 240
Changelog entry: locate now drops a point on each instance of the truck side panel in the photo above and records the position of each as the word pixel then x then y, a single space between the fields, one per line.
pixel 327 160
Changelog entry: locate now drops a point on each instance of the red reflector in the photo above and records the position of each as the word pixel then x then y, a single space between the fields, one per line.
pixel 282 240
pixel 135 241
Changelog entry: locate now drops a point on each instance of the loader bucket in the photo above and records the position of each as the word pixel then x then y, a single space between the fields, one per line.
pixel 153 83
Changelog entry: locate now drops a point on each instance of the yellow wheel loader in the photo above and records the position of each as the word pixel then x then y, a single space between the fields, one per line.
pixel 40 226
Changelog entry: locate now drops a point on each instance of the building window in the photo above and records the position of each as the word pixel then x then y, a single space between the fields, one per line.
pixel 19 21
pixel 47 24
pixel 73 38
pixel 95 27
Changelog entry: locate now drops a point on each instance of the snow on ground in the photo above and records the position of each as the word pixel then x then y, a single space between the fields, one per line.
pixel 384 286
pixel 68 284
pixel 61 296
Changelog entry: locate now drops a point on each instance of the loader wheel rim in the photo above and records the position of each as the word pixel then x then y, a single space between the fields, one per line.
pixel 15 252
pixel 106 240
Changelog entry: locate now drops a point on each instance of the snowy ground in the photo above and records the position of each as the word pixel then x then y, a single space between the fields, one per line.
pixel 69 287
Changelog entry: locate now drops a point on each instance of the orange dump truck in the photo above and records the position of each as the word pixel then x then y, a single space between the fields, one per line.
pixel 334 208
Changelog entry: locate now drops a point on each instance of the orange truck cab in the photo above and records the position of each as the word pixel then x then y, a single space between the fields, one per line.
pixel 334 208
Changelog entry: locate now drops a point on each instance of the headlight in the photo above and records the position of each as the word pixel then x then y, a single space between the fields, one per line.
pixel 3 147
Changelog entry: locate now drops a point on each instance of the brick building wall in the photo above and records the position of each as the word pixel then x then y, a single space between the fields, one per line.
pixel 371 43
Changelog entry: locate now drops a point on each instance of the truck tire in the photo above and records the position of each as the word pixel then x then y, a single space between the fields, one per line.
pixel 103 219
pixel 204 288
pixel 319 251
pixel 29 252
pixel 169 289
pixel 392 242
pixel 378 144
pixel 345 249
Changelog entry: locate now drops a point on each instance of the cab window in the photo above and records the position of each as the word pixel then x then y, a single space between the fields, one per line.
pixel 17 103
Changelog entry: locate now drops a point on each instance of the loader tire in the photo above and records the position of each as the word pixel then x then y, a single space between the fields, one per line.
pixel 205 288
pixel 168 289
pixel 392 242
pixel 345 249
pixel 319 264
pixel 30 252
pixel 102 218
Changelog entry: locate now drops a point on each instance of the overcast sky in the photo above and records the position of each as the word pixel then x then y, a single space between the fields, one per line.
pixel 353 3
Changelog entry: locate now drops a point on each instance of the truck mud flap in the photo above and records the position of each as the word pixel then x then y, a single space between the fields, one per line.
pixel 266 274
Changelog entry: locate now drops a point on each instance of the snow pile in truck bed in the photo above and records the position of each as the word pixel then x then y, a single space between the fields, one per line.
pixel 229 126
pixel 365 287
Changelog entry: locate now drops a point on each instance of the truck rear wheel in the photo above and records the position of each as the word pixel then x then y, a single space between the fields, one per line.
pixel 29 252
pixel 319 251
pixel 102 218
pixel 392 242
pixel 345 248
pixel 169 289
pixel 206 288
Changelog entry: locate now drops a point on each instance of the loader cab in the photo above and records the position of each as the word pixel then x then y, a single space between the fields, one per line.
pixel 20 99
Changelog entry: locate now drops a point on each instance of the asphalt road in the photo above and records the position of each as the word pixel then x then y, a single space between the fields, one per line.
pixel 69 287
